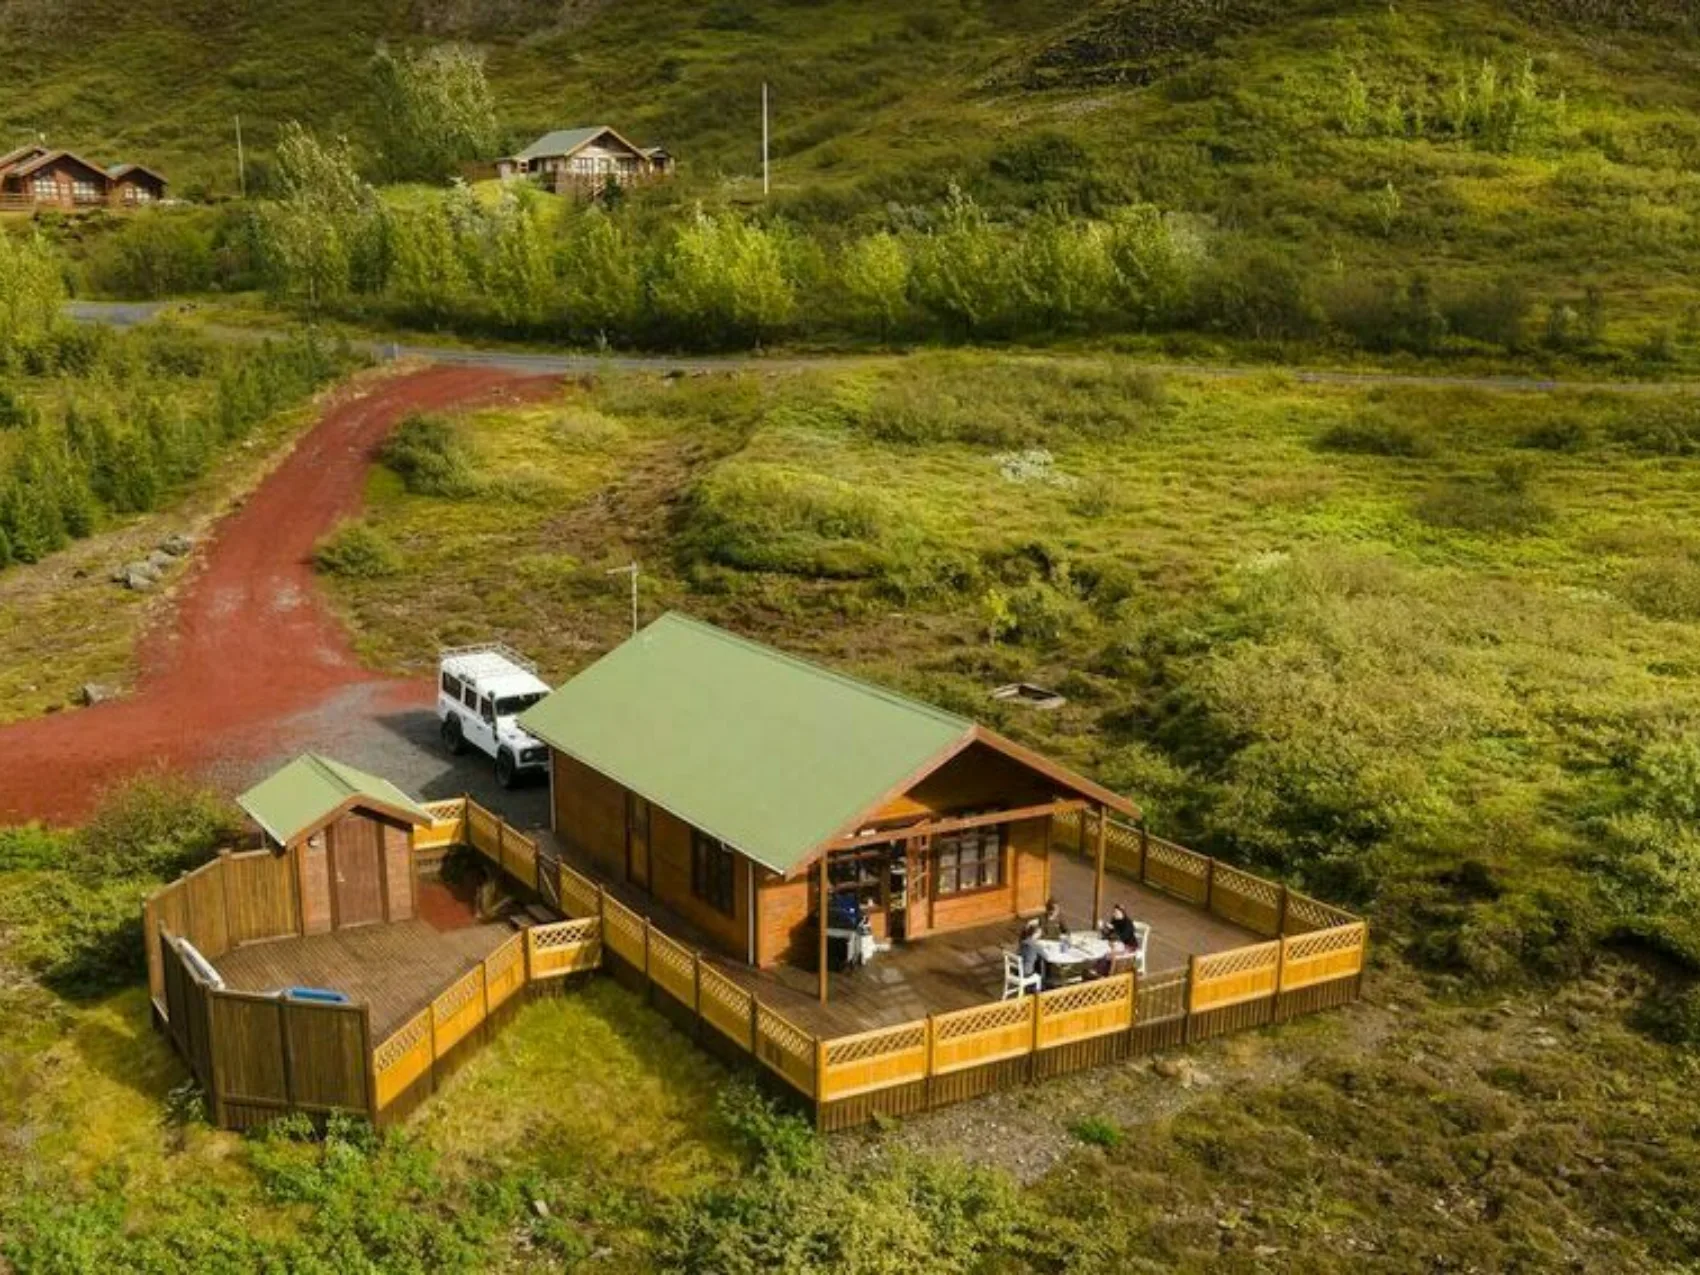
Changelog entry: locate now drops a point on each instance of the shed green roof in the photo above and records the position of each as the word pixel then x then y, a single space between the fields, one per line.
pixel 770 753
pixel 312 789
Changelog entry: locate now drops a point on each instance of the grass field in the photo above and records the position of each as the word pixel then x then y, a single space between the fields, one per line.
pixel 1425 648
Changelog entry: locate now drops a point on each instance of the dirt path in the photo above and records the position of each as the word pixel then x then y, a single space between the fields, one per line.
pixel 248 651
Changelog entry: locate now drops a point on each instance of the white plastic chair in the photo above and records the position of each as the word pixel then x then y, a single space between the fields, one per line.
pixel 1144 931
pixel 1015 983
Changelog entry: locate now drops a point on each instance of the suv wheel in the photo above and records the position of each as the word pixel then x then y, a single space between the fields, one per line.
pixel 506 772
pixel 453 739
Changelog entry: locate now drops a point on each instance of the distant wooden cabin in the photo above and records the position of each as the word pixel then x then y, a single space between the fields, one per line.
pixel 348 835
pixel 34 177
pixel 732 781
pixel 134 185
pixel 585 160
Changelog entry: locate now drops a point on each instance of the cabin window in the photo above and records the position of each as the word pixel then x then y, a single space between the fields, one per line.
pixel 714 873
pixel 451 686
pixel 85 191
pixel 970 860
pixel 47 187
pixel 861 874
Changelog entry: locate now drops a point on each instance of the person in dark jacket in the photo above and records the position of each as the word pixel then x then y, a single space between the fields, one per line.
pixel 1120 929
pixel 1052 926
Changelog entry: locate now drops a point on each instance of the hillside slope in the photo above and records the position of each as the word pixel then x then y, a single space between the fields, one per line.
pixel 1558 140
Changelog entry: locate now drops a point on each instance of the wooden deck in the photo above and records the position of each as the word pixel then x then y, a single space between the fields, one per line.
pixel 941 972
pixel 396 969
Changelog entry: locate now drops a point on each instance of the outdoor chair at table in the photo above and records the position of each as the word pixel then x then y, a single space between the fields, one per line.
pixel 1015 983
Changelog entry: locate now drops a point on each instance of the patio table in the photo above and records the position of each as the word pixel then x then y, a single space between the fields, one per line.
pixel 1067 960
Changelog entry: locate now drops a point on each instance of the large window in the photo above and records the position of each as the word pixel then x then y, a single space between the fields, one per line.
pixel 85 191
pixel 713 873
pixel 970 860
pixel 860 873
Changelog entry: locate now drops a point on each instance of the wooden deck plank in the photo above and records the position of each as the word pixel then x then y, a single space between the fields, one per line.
pixel 945 971
pixel 396 969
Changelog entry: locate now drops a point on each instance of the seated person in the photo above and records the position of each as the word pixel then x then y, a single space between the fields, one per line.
pixel 1052 926
pixel 1028 950
pixel 1120 929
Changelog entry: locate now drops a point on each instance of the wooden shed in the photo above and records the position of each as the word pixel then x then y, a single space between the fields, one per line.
pixel 740 787
pixel 134 185
pixel 347 834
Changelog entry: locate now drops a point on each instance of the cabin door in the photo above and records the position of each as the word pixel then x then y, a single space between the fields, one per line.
pixel 918 889
pixel 357 872
pixel 637 840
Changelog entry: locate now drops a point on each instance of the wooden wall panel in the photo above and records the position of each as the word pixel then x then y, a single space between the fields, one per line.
pixel 590 814
pixel 259 891
pixel 328 1054
pixel 247 1044
pixel 783 932
pixel 1031 840
pixel 398 872
pixel 670 882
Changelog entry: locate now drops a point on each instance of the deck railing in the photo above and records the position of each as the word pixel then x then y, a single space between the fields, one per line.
pixel 257 1055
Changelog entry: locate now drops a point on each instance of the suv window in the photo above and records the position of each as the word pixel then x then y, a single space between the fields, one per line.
pixel 509 705
pixel 451 686
pixel 469 697
pixel 486 710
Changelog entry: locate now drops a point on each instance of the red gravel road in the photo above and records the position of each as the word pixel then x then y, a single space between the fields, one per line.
pixel 248 649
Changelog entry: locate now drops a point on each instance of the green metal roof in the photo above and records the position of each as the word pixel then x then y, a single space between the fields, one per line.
pixel 312 788
pixel 563 141
pixel 769 753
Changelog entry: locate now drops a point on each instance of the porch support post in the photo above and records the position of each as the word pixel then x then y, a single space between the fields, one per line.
pixel 1098 877
pixel 822 928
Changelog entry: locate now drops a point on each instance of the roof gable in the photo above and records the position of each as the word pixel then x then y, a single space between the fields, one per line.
pixel 53 157
pixel 767 752
pixel 564 142
pixel 312 790
pixel 119 171
pixel 22 155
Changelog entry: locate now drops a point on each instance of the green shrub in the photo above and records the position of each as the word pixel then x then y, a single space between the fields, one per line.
pixel 153 827
pixel 432 459
pixel 1665 589
pixel 1097 1132
pixel 1375 436
pixel 767 517
pixel 1500 505
pixel 1562 434
pixel 359 551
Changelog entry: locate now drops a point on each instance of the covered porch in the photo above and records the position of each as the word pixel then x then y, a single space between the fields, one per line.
pixel 940 972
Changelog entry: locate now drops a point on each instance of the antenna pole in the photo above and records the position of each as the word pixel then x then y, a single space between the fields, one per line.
pixel 764 134
pixel 631 569
pixel 241 160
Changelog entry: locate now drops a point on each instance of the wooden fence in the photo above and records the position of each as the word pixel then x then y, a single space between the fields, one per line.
pixel 231 900
pixel 408 1065
pixel 256 1056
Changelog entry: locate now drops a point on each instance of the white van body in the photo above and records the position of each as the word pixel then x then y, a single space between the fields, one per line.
pixel 481 691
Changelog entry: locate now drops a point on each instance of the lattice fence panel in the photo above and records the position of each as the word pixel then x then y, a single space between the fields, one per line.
pixel 1084 1010
pixel 875 1060
pixel 726 1007
pixel 1322 955
pixel 983 1034
pixel 1228 978
pixel 787 1049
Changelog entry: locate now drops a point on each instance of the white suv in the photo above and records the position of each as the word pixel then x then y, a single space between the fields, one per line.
pixel 480 691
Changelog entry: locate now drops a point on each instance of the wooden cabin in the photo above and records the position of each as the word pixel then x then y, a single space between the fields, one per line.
pixel 739 786
pixel 134 185
pixel 585 161
pixel 348 835
pixel 36 177
pixel 55 179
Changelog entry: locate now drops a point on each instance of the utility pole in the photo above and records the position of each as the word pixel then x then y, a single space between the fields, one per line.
pixel 764 181
pixel 241 160
pixel 630 569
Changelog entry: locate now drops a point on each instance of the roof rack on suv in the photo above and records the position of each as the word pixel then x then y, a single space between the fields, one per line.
pixel 488 648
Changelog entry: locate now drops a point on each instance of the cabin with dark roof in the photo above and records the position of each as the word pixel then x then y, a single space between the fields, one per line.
pixel 585 161
pixel 34 176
